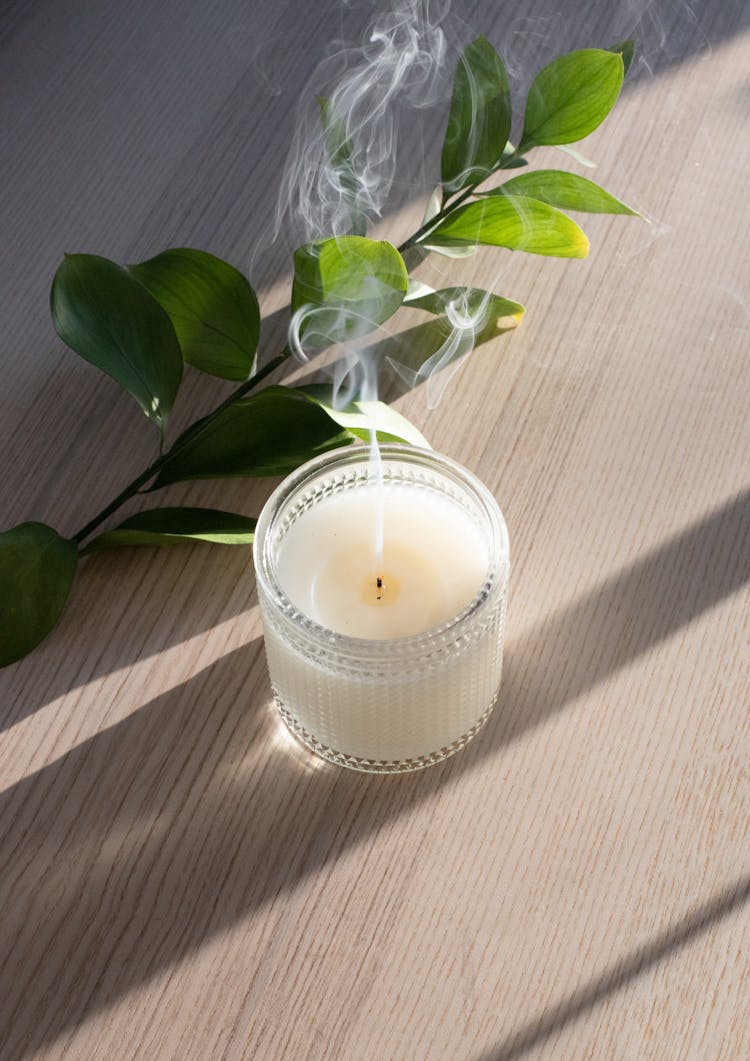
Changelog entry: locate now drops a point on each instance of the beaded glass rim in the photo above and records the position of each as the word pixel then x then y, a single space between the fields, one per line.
pixel 357 459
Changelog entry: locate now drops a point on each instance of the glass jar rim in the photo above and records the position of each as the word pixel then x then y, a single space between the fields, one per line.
pixel 303 627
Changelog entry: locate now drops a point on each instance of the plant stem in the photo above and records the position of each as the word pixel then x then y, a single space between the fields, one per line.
pixel 187 436
pixel 429 225
pixel 128 492
pixel 450 206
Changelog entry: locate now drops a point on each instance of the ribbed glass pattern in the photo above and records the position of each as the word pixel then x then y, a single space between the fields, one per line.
pixel 393 705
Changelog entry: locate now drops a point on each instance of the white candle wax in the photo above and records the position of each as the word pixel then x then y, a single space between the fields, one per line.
pixel 383 662
pixel 433 562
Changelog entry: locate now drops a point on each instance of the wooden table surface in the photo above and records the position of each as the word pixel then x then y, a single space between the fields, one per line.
pixel 179 879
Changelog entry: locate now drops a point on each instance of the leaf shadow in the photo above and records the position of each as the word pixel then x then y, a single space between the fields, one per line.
pixel 149 838
pixel 227 191
pixel 622 972
pixel 141 622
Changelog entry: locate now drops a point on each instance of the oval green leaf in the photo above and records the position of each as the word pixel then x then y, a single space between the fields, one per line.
pixel 111 320
pixel 571 96
pixel 269 433
pixel 361 417
pixel 37 568
pixel 345 287
pixel 211 305
pixel 514 222
pixel 177 526
pixel 474 305
pixel 479 117
pixel 566 191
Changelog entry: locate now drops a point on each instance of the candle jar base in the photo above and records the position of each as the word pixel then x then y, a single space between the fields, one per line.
pixel 394 704
pixel 377 766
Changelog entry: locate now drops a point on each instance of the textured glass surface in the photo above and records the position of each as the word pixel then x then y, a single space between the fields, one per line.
pixel 391 705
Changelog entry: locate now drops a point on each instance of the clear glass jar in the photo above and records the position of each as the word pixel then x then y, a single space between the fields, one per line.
pixel 383 706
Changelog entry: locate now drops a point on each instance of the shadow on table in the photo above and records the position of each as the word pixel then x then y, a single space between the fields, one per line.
pixel 149 838
pixel 620 974
pixel 137 622
pixel 128 605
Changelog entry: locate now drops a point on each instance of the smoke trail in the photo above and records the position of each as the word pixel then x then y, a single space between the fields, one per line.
pixel 343 161
pixel 401 64
pixel 334 183
pixel 340 172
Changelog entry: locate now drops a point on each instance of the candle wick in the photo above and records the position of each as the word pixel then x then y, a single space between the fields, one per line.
pixel 379 582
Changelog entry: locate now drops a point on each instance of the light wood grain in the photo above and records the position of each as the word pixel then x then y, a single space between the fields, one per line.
pixel 178 878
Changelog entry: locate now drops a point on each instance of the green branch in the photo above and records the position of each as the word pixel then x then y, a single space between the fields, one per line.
pixel 188 436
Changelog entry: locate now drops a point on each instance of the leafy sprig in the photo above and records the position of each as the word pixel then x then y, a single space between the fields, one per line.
pixel 141 323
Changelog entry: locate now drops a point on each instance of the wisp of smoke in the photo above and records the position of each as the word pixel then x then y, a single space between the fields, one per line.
pixel 406 62
pixel 400 65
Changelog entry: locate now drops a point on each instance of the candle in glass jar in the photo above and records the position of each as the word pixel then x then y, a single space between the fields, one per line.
pixel 383 658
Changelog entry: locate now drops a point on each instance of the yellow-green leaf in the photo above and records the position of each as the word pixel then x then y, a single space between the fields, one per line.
pixel 345 287
pixel 472 306
pixel 566 191
pixel 514 222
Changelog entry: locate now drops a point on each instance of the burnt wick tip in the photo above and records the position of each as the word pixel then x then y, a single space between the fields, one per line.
pixel 379 582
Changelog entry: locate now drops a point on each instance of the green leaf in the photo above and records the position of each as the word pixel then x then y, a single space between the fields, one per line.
pixel 175 526
pixel 341 153
pixel 479 118
pixel 269 433
pixel 471 305
pixel 571 96
pixel 213 309
pixel 345 287
pixel 566 191
pixel 465 317
pixel 430 348
pixel 37 568
pixel 111 320
pixel 627 50
pixel 360 417
pixel 515 222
